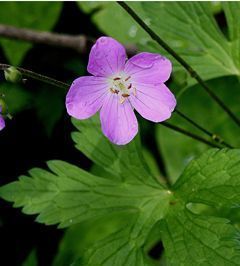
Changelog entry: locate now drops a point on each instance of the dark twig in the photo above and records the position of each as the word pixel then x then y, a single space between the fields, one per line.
pixel 189 134
pixel 79 43
pixel 214 137
pixel 190 70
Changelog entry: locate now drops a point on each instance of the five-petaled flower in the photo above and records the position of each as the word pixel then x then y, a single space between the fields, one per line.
pixel 2 121
pixel 118 86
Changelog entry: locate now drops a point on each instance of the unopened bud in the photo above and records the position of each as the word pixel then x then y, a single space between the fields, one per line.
pixel 13 75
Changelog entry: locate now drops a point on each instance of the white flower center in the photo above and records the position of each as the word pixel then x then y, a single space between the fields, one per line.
pixel 122 86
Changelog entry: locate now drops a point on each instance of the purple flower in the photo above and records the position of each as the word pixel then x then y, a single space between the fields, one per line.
pixel 118 86
pixel 2 121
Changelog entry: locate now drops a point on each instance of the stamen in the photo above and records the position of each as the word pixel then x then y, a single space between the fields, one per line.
pixel 114 91
pixel 122 100
pixel 134 91
pixel 127 78
pixel 125 95
pixel 130 86
pixel 117 78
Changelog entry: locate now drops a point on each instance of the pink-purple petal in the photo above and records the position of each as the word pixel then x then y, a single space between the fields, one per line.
pixel 2 123
pixel 119 123
pixel 148 68
pixel 107 57
pixel 86 96
pixel 154 102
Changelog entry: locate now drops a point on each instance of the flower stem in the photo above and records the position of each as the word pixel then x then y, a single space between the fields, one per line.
pixel 189 134
pixel 214 137
pixel 190 70
pixel 36 76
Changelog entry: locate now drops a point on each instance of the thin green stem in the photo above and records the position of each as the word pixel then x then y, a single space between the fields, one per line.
pixel 189 134
pixel 214 136
pixel 190 70
pixel 30 74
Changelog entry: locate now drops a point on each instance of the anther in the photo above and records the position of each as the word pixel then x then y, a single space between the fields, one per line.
pixel 130 86
pixel 117 78
pixel 125 95
pixel 127 78
pixel 114 91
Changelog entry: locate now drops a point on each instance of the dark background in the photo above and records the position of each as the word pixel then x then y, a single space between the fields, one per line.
pixel 24 144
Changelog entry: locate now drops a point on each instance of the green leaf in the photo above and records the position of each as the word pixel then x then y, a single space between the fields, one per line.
pixel 202 111
pixel 111 19
pixel 213 179
pixel 191 239
pixel 70 195
pixel 191 30
pixel 126 162
pixel 36 16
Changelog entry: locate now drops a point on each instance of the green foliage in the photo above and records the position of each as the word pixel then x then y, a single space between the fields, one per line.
pixel 133 206
pixel 112 20
pixel 191 30
pixel 37 16
pixel 201 108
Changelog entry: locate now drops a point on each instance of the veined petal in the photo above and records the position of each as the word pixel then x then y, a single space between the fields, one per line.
pixel 118 121
pixel 107 57
pixel 86 96
pixel 2 123
pixel 148 68
pixel 154 102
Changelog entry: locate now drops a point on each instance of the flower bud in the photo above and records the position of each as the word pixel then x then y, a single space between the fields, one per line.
pixel 12 74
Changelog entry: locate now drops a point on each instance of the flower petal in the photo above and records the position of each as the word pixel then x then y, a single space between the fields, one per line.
pixel 148 68
pixel 86 96
pixel 2 123
pixel 118 121
pixel 107 57
pixel 154 102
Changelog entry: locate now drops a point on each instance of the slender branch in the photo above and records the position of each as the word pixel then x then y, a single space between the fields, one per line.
pixel 214 137
pixel 190 70
pixel 79 43
pixel 36 76
pixel 189 134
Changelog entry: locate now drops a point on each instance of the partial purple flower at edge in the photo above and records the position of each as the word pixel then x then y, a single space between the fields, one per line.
pixel 2 121
pixel 118 86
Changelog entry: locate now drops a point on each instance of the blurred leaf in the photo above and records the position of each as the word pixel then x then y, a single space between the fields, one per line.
pixel 49 104
pixel 191 30
pixel 79 237
pixel 37 16
pixel 16 97
pixel 31 259
pixel 195 103
pixel 111 19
